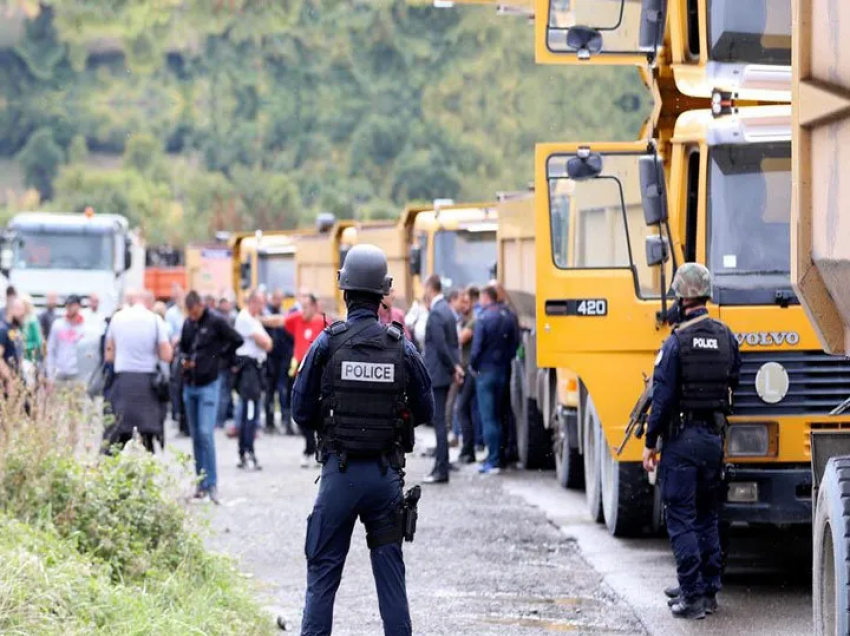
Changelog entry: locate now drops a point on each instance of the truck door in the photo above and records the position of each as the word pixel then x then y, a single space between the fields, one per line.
pixel 599 31
pixel 598 298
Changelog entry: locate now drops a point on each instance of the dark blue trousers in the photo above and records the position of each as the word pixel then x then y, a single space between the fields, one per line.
pixel 362 491
pixel 691 488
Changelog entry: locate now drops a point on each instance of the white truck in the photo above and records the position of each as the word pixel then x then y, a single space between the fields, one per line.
pixel 66 254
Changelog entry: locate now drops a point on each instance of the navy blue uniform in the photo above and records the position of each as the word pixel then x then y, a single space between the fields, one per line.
pixel 367 489
pixel 690 471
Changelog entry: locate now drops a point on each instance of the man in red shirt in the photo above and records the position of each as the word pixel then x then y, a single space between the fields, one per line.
pixel 304 325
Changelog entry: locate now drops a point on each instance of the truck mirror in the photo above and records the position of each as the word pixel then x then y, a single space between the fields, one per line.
pixel 657 251
pixel 494 271
pixel 585 41
pixel 653 190
pixel 653 21
pixel 415 260
pixel 245 275
pixel 585 165
pixel 128 254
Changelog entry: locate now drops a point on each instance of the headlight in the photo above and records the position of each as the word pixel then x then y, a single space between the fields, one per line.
pixel 752 440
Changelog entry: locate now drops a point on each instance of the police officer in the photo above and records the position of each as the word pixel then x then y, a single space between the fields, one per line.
pixel 695 372
pixel 362 387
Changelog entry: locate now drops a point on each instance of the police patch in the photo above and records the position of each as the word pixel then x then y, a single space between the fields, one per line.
pixel 368 371
pixel 705 343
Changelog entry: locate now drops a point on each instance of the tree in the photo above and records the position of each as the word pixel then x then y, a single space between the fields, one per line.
pixel 41 158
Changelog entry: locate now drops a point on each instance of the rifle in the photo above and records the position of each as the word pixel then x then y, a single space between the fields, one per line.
pixel 637 418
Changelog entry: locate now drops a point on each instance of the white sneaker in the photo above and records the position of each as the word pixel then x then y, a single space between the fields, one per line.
pixel 306 462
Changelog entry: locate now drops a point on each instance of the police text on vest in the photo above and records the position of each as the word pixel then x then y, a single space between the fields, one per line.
pixel 368 371
pixel 705 343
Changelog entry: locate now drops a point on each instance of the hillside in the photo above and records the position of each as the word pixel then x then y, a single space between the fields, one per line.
pixel 195 115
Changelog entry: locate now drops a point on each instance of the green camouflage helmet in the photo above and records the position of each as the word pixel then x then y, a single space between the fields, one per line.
pixel 692 280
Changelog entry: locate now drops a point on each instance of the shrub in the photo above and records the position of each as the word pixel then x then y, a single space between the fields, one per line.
pixel 100 545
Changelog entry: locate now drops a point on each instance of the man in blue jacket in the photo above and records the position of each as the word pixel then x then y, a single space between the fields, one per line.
pixel 494 344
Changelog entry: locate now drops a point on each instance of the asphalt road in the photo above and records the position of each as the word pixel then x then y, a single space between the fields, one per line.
pixel 507 555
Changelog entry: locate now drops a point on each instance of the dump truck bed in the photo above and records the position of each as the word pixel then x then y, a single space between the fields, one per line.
pixel 821 185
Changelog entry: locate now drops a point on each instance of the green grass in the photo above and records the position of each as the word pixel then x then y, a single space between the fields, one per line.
pixel 93 545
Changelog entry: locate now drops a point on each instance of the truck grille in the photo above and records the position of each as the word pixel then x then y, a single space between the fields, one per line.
pixel 818 383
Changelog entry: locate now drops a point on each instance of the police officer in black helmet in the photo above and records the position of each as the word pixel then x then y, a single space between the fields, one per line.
pixel 695 372
pixel 362 387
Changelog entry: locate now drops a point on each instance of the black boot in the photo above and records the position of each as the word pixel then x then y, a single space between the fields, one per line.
pixel 690 610
pixel 672 592
pixel 710 603
pixel 242 463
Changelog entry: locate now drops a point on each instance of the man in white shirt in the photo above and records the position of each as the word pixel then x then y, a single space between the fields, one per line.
pixel 251 356
pixel 136 342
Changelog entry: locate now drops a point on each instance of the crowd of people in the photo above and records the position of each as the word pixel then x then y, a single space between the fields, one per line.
pixel 207 365
pixel 468 339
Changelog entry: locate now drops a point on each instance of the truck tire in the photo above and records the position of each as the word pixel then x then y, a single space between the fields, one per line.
pixel 592 430
pixel 534 441
pixel 569 466
pixel 831 551
pixel 518 392
pixel 628 499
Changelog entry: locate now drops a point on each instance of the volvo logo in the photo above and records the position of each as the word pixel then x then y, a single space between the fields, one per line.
pixel 772 382
pixel 768 338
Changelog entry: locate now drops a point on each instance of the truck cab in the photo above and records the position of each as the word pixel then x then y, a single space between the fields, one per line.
pixel 613 223
pixel 743 48
pixel 72 254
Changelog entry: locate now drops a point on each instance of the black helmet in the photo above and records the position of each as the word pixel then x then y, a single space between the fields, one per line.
pixel 365 270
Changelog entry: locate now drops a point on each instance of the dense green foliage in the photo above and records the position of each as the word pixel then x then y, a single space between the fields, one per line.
pixel 195 115
pixel 94 546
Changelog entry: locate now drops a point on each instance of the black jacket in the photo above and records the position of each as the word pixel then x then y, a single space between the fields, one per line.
pixel 211 344
pixel 442 351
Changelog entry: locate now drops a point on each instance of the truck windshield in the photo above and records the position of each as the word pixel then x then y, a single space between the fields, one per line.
pixel 749 211
pixel 464 257
pixel 277 272
pixel 754 31
pixel 64 250
pixel 618 22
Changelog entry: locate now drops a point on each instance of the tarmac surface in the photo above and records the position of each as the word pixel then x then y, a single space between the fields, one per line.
pixel 505 555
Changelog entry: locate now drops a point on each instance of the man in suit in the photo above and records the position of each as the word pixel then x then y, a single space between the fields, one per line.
pixel 442 360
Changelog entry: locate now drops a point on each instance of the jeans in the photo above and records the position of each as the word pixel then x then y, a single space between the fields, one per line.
pixel 278 383
pixel 249 413
pixel 691 490
pixel 489 387
pixel 465 402
pixel 201 409
pixel 441 458
pixel 371 492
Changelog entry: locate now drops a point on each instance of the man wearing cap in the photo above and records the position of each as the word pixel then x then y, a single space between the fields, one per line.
pixel 63 363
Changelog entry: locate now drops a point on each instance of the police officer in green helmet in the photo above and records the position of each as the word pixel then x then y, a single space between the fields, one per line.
pixel 362 387
pixel 695 372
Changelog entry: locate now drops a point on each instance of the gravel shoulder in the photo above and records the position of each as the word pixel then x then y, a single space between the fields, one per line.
pixel 484 563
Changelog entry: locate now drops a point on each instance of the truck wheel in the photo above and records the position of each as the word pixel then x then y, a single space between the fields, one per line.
pixel 592 430
pixel 569 467
pixel 628 499
pixel 534 442
pixel 518 392
pixel 831 552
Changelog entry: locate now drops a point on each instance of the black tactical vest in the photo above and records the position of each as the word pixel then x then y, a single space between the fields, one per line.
pixel 705 356
pixel 363 389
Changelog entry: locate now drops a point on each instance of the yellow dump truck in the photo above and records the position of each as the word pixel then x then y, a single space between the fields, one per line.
pixel 716 191
pixel 735 46
pixel 820 264
pixel 263 258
